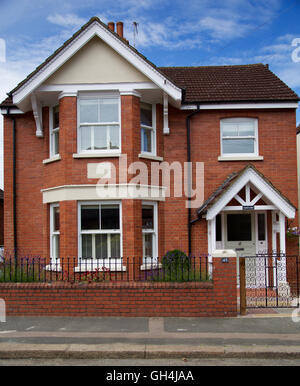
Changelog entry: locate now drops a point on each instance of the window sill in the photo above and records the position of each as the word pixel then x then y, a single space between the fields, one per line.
pixel 151 157
pixel 52 159
pixel 145 267
pixel 96 155
pixel 241 158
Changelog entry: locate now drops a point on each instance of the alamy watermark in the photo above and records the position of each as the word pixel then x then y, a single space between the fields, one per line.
pixel 2 51
pixel 153 180
pixel 2 311
pixel 296 52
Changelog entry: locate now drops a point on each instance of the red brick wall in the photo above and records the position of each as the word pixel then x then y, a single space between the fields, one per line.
pixel 217 298
pixel 277 144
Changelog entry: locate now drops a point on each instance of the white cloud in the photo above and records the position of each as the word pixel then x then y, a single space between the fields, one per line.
pixel 69 20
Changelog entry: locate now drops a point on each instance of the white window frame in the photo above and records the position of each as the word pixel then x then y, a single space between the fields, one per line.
pixel 52 131
pixel 53 232
pixel 153 132
pixel 102 95
pixel 254 121
pixel 99 262
pixel 154 232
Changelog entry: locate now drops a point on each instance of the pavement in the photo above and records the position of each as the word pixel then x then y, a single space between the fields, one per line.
pixel 257 335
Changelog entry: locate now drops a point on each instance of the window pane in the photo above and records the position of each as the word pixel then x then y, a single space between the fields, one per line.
pixel 218 228
pixel 89 111
pixel 114 142
pixel 148 217
pixel 55 137
pixel 87 246
pixel 85 138
pixel 55 218
pixel 110 217
pixel 55 117
pixel 229 130
pixel 147 140
pixel 239 227
pixel 115 246
pixel 238 146
pixel 246 129
pixel 148 244
pixel 109 110
pixel 261 227
pixel 55 246
pixel 146 114
pixel 101 246
pixel 89 217
pixel 100 137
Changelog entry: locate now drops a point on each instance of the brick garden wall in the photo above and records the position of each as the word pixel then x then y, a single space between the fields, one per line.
pixel 213 298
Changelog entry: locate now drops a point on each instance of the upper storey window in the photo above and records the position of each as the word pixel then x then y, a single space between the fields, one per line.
pixel 54 131
pixel 99 124
pixel 148 142
pixel 239 137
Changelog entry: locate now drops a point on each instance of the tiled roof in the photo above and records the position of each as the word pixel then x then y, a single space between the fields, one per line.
pixel 218 193
pixel 298 129
pixel 241 83
pixel 1 194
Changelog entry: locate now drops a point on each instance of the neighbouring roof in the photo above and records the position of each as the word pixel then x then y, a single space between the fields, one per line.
pixel 239 83
pixel 206 84
pixel 298 129
pixel 1 194
pixel 229 181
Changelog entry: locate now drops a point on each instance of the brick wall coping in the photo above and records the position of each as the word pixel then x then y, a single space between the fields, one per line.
pixel 61 285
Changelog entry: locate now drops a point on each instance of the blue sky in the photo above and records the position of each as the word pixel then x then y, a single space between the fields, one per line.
pixel 170 33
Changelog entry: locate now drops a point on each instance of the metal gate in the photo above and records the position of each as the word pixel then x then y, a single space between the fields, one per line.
pixel 270 281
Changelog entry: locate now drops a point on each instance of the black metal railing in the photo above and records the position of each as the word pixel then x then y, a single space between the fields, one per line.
pixel 38 269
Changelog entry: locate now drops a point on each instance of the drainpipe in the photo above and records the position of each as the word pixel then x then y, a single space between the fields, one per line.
pixel 190 177
pixel 14 187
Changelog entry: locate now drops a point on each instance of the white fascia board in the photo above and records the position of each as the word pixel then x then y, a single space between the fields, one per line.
pixel 231 106
pixel 9 110
pixel 95 29
pixel 250 176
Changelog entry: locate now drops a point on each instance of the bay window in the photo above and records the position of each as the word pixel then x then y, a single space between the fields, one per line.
pixel 149 230
pixel 148 133
pixel 100 230
pixel 54 231
pixel 239 136
pixel 99 123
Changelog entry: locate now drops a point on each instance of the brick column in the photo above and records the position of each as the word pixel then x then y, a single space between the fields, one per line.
pixel 68 236
pixel 225 282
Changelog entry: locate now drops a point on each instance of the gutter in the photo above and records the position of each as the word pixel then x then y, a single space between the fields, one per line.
pixel 190 177
pixel 14 187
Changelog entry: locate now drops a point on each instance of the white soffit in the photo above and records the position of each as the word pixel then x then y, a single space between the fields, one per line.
pixel 96 29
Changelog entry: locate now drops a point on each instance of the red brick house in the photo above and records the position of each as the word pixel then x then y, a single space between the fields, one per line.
pixel 97 98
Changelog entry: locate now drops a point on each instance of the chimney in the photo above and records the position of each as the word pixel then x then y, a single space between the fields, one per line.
pixel 120 28
pixel 111 26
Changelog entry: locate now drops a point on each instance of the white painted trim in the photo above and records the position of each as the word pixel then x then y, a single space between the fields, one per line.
pixel 151 157
pixel 130 92
pixel 166 129
pixel 75 88
pixel 241 158
pixel 256 207
pixel 96 29
pixel 97 155
pixel 67 94
pixel 250 176
pixel 52 159
pixel 103 192
pixel 11 110
pixel 38 115
pixel 221 253
pixel 232 106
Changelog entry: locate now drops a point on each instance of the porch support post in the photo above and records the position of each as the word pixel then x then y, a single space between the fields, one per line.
pixel 213 234
pixel 282 278
pixel 274 231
